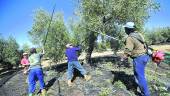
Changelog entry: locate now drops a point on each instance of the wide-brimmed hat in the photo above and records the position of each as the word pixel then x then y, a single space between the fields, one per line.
pixel 25 53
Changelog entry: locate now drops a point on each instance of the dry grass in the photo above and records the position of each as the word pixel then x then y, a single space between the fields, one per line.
pixel 97 54
pixel 162 47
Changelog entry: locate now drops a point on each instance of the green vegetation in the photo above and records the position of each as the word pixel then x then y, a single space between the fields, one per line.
pixel 104 16
pixel 105 92
pixel 9 54
pixel 158 35
pixel 57 36
pixel 108 16
pixel 93 16
pixel 25 47
pixel 119 84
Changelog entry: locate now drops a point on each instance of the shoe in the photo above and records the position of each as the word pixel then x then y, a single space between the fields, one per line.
pixel 43 92
pixel 87 77
pixel 69 83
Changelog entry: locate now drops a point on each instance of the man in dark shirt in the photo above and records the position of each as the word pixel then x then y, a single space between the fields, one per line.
pixel 135 49
pixel 71 53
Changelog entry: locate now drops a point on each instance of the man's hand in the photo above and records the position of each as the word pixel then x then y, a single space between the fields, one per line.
pixel 125 56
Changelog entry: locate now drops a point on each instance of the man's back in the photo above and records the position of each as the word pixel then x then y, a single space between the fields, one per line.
pixel 134 44
pixel 71 53
pixel 35 60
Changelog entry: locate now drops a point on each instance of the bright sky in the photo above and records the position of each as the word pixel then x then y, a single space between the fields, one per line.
pixel 16 16
pixel 160 18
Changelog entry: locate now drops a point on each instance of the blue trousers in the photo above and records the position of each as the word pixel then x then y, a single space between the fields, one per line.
pixel 139 64
pixel 71 66
pixel 33 76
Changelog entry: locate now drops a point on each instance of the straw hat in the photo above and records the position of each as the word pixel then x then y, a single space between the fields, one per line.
pixel 25 53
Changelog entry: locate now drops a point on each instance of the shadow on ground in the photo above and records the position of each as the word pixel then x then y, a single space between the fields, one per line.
pixel 50 83
pixel 127 80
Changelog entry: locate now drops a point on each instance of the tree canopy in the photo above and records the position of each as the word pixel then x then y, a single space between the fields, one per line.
pixel 105 15
pixel 9 54
pixel 93 17
pixel 57 36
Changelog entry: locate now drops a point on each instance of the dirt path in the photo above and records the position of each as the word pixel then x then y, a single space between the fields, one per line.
pixel 16 86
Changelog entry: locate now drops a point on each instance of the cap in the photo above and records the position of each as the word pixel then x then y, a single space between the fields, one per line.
pixel 130 25
pixel 68 45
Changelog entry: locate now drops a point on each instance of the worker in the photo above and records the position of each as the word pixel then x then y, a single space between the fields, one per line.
pixel 135 49
pixel 71 54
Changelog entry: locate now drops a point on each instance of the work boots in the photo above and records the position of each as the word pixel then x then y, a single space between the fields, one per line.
pixel 87 77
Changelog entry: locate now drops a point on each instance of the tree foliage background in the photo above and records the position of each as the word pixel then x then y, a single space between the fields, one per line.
pixel 92 16
pixel 57 36
pixel 158 35
pixel 9 52
pixel 105 15
pixel 25 47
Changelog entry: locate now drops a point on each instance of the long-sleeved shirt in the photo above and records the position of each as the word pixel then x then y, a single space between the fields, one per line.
pixel 71 53
pixel 35 60
pixel 24 61
pixel 133 46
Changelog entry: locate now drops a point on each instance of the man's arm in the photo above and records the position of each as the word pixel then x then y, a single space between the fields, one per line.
pixel 77 48
pixel 128 47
